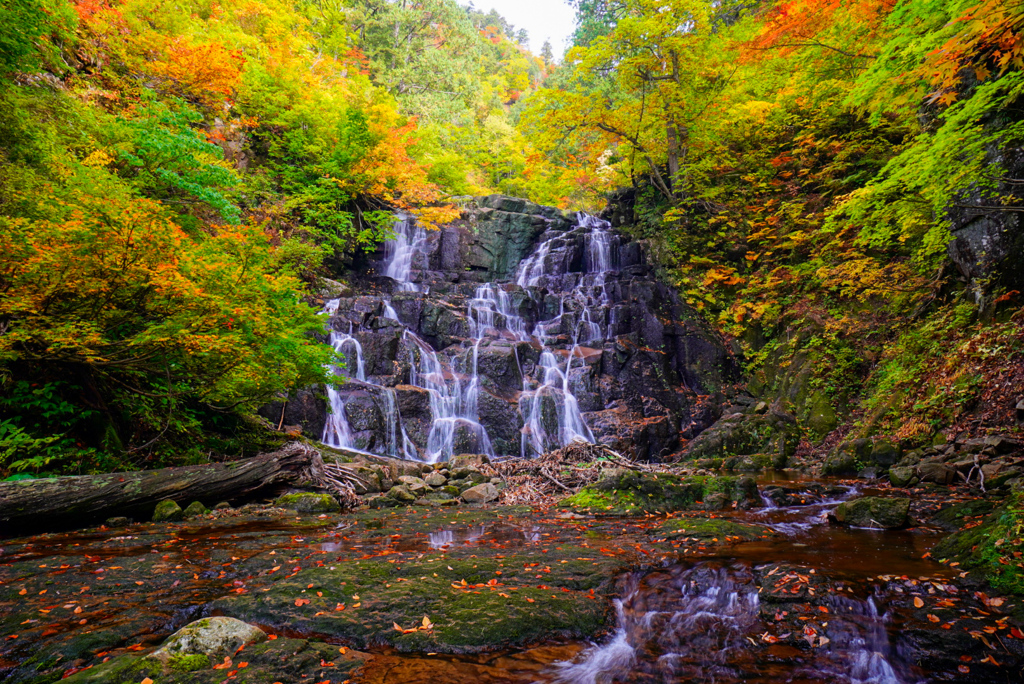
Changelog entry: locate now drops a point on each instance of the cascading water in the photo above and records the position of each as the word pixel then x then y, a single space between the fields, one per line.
pixel 551 411
pixel 702 623
pixel 402 251
pixel 336 430
pixel 570 270
pixel 694 619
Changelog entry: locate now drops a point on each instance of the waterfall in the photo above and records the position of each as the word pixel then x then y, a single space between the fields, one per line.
pixel 336 430
pixel 453 409
pixel 569 270
pixel 553 398
pixel 400 252
pixel 491 308
pixel 553 395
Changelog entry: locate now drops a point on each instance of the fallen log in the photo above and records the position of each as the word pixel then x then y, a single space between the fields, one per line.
pixel 65 502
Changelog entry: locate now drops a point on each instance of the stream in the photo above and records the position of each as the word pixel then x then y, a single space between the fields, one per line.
pixel 798 600
pixel 702 619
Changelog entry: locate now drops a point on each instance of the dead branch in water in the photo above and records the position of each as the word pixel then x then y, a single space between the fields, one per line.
pixel 559 473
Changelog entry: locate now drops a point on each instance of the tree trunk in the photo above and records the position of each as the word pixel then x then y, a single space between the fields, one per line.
pixel 65 502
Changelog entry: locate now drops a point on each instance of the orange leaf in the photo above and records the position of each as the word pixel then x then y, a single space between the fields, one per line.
pixel 918 603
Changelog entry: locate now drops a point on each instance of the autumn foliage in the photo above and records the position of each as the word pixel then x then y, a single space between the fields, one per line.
pixel 174 177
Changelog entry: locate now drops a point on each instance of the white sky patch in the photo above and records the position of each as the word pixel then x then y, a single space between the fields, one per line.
pixel 553 20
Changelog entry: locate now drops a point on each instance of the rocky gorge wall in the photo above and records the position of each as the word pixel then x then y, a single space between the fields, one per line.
pixel 510 332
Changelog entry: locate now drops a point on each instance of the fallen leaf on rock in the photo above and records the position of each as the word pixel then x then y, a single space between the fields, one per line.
pixel 933 618
pixel 918 603
pixel 224 665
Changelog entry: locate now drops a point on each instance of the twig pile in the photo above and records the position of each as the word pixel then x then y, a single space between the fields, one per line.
pixel 557 474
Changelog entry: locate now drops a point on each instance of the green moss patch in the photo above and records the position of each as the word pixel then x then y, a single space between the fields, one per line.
pixel 713 529
pixel 474 604
pixel 281 660
pixel 183 662
pixel 629 492
pixel 990 547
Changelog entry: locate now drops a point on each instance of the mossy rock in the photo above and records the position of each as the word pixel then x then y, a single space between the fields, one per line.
pixel 628 492
pixel 281 660
pixel 874 511
pixel 952 517
pixel 749 464
pixel 308 502
pixel 213 636
pixel 472 607
pixel 718 530
pixel 167 511
pixel 989 549
pixel 900 476
pixel 775 435
pixel 195 509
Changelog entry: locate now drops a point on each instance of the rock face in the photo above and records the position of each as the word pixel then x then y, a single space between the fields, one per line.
pixel 512 332
pixel 748 440
pixel 988 245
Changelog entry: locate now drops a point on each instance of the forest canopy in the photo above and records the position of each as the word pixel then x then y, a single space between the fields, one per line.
pixel 175 178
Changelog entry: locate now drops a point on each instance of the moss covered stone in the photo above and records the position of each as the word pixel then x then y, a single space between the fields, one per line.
pixel 307 502
pixel 774 434
pixel 627 492
pixel 874 511
pixel 282 660
pixel 710 529
pixel 167 511
pixel 195 509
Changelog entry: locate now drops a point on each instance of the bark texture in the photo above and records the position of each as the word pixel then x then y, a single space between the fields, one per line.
pixel 63 502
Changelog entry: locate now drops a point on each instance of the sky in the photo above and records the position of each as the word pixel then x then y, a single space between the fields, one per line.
pixel 553 20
